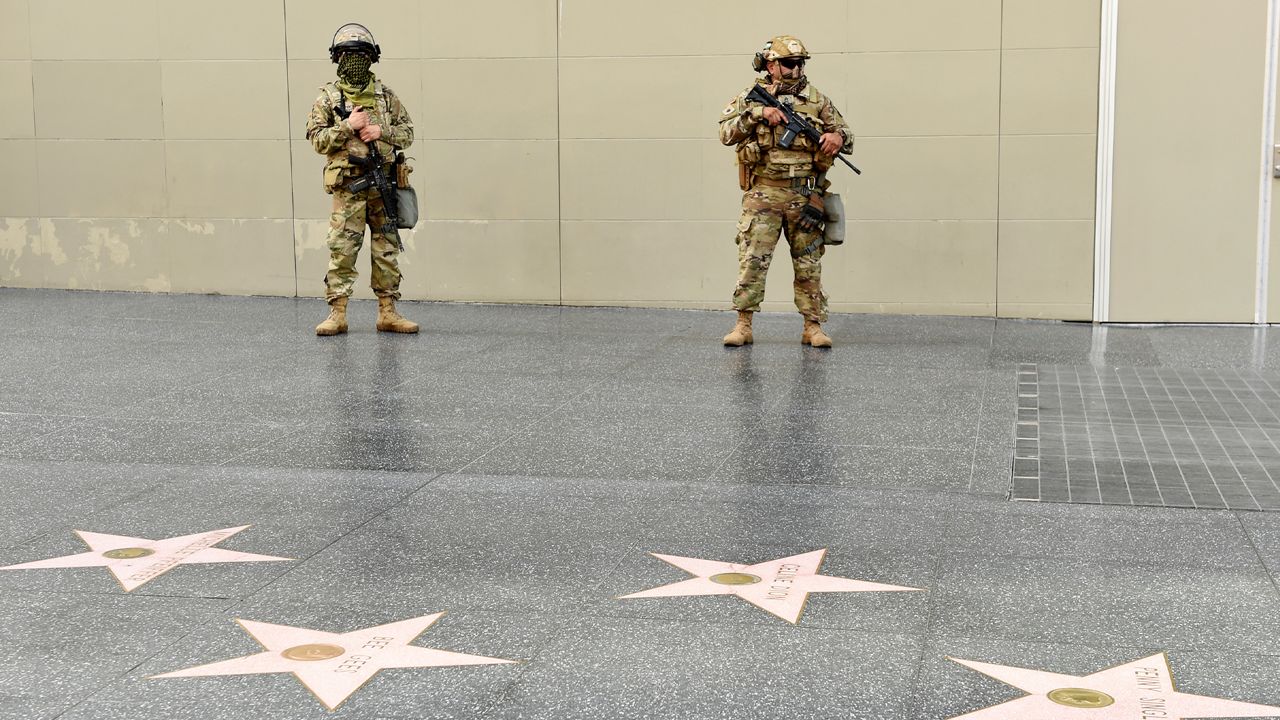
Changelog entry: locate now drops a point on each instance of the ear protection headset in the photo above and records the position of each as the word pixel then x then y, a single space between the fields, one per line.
pixel 758 62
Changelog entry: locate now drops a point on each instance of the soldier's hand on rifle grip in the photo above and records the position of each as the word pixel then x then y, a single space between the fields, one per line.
pixel 774 116
pixel 358 119
pixel 832 142
pixel 370 133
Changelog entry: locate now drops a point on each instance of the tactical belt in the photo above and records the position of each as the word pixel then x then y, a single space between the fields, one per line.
pixel 794 183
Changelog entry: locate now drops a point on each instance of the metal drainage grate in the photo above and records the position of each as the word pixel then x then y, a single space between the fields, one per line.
pixel 1173 437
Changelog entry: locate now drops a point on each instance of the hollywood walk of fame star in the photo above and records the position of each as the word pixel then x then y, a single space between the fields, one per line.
pixel 1139 690
pixel 136 561
pixel 780 586
pixel 334 665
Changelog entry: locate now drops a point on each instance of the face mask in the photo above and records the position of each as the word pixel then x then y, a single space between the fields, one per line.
pixel 353 69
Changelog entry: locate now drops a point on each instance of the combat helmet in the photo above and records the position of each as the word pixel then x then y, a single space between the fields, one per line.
pixel 781 46
pixel 353 37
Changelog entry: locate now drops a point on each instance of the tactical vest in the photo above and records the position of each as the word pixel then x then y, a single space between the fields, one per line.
pixel 338 167
pixel 777 163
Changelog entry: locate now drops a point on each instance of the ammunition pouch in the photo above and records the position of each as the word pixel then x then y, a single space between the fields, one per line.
pixel 749 156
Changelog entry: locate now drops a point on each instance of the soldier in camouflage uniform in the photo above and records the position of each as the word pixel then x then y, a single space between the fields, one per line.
pixel 783 187
pixel 373 114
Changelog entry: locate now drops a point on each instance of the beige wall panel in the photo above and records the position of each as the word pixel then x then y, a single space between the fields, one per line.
pixel 310 201
pixel 511 100
pixel 489 28
pixel 90 100
pixel 15 30
pixel 1052 23
pixel 648 180
pixel 1049 91
pixel 926 178
pixel 18 118
pixel 237 257
pixel 923 93
pixel 311 257
pixel 310 24
pixel 1047 177
pixel 593 90
pixel 222 30
pixel 228 179
pixel 306 77
pixel 924 25
pixel 487 180
pixel 668 264
pixel 1046 270
pixel 1273 282
pixel 488 262
pixel 106 254
pixel 675 27
pixel 21 263
pixel 95 29
pixel 1186 183
pixel 101 178
pixel 225 100
pixel 896 266
pixel 19 190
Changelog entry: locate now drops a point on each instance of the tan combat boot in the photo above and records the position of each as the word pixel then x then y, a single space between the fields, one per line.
pixel 813 335
pixel 337 321
pixel 741 333
pixel 391 321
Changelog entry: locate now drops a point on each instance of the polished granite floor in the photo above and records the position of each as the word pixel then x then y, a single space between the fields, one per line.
pixel 522 468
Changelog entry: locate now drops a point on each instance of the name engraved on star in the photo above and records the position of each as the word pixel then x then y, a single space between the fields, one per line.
pixel 356 663
pixel 165 563
pixel 783 582
pixel 1153 706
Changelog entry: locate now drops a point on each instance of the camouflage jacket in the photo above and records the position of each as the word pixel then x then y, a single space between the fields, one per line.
pixel 332 137
pixel 742 123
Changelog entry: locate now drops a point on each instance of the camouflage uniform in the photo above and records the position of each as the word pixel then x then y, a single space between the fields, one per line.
pixel 331 136
pixel 767 210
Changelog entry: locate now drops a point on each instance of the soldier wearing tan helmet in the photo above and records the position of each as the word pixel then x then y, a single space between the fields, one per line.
pixel 783 187
pixel 353 112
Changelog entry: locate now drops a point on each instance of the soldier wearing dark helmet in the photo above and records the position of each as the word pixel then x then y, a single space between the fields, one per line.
pixel 783 186
pixel 353 111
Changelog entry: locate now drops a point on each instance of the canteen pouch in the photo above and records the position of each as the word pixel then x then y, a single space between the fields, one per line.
pixel 407 208
pixel 834 211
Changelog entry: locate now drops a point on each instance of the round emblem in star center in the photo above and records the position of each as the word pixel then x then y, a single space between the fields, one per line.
pixel 128 553
pixel 313 652
pixel 734 578
pixel 1081 698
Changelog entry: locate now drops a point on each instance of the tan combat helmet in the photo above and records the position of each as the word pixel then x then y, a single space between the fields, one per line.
pixel 353 37
pixel 782 46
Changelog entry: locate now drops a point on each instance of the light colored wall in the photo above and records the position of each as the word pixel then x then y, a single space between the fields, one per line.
pixel 1189 112
pixel 566 148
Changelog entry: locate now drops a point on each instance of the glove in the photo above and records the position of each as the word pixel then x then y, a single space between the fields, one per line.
pixel 813 214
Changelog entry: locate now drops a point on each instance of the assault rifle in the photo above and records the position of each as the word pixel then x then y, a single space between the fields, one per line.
pixel 795 125
pixel 374 177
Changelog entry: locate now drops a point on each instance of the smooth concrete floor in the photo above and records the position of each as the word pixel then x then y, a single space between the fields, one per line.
pixel 516 466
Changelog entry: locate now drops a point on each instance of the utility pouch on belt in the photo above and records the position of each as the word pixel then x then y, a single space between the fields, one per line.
pixel 748 157
pixel 834 211
pixel 406 196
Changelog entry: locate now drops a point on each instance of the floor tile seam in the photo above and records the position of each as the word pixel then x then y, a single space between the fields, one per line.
pixel 931 612
pixel 1254 569
pixel 966 637
pixel 502 697
pixel 973 458
pixel 230 461
pixel 1275 582
pixel 302 561
pixel 117 677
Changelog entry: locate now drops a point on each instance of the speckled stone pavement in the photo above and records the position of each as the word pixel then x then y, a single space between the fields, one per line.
pixel 517 467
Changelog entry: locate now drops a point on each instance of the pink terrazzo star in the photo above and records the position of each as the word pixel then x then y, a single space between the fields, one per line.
pixel 334 665
pixel 1140 690
pixel 780 587
pixel 136 561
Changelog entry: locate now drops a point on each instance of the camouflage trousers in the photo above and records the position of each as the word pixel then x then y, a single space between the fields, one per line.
pixel 351 213
pixel 768 212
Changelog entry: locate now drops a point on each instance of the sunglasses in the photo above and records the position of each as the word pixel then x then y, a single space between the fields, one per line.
pixel 791 63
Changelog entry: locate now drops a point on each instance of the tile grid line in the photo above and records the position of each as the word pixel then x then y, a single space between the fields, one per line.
pixel 1088 432
pixel 1142 383
pixel 1270 440
pixel 1196 444
pixel 1115 438
pixel 1141 443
